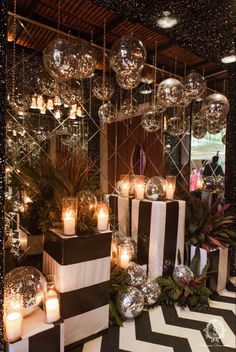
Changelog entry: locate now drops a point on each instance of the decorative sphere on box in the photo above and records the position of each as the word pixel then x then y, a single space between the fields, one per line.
pixel 129 106
pixel 182 272
pixel 131 246
pixel 151 291
pixel 128 81
pixel 155 188
pixel 103 88
pixel 194 85
pixel 87 200
pixel 215 107
pixel 127 55
pixel 170 92
pixel 30 283
pixel 151 121
pixel 135 275
pixel 130 303
pixel 107 113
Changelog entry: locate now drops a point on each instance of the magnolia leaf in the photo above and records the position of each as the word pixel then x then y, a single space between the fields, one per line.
pixel 205 270
pixel 195 262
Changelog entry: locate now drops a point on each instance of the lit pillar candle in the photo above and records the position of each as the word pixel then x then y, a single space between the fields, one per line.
pixel 102 220
pixel 52 309
pixel 170 190
pixel 69 223
pixel 124 258
pixel 139 191
pixel 125 186
pixel 13 326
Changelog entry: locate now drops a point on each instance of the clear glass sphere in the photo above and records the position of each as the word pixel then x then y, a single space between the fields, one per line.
pixel 215 107
pixel 199 129
pixel 158 107
pixel 155 188
pixel 19 101
pixel 194 85
pixel 107 113
pixel 103 88
pixel 46 84
pixel 87 200
pixel 151 121
pixel 214 127
pixel 127 55
pixel 177 125
pixel 170 92
pixel 129 106
pixel 147 75
pixel 86 60
pixel 186 100
pixel 71 94
pixel 128 81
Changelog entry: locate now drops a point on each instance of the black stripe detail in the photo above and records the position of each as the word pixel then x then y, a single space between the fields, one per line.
pixel 171 231
pixel 83 300
pixel 79 249
pixel 144 332
pixel 213 258
pixel 48 340
pixel 219 298
pixel 110 341
pixel 113 204
pixel 144 223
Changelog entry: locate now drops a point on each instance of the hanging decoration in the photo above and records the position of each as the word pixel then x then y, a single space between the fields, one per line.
pixel 194 85
pixel 170 92
pixel 129 106
pixel 177 125
pixel 151 121
pixel 107 113
pixel 128 81
pixel 215 107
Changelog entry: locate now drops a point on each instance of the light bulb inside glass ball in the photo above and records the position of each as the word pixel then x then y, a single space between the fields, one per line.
pixel 214 127
pixel 215 107
pixel 170 92
pixel 151 121
pixel 155 188
pixel 127 55
pixel 107 113
pixel 194 85
pixel 103 88
pixel 177 125
pixel 129 106
pixel 46 84
pixel 128 81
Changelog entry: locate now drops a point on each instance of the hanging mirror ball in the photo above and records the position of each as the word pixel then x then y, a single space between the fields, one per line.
pixel 128 81
pixel 127 55
pixel 103 88
pixel 199 129
pixel 215 107
pixel 40 134
pixel 194 85
pixel 46 84
pixel 129 106
pixel 86 60
pixel 223 139
pixel 214 127
pixel 177 126
pixel 155 188
pixel 107 113
pixel 151 121
pixel 170 92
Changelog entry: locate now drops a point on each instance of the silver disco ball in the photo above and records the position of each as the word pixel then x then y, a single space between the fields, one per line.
pixel 135 275
pixel 151 121
pixel 128 81
pixel 151 291
pixel 130 303
pixel 170 92
pixel 107 113
pixel 215 107
pixel 194 85
pixel 103 88
pixel 182 273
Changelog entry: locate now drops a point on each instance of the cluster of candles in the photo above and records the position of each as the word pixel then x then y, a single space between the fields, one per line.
pixel 13 310
pixel 136 184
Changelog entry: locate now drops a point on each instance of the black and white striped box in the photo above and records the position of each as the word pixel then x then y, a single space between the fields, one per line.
pixel 158 228
pixel 121 214
pixel 39 336
pixel 81 265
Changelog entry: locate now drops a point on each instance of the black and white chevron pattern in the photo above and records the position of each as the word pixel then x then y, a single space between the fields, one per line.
pixel 173 329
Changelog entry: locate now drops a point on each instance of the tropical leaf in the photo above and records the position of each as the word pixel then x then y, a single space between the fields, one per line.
pixel 195 262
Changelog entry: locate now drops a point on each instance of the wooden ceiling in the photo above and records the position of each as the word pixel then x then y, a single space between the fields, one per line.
pixel 37 25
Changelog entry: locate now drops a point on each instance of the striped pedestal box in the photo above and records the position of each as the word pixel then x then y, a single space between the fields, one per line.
pixel 219 266
pixel 39 336
pixel 81 265
pixel 121 214
pixel 158 228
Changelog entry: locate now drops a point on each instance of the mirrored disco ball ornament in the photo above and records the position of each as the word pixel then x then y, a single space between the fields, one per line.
pixel 87 200
pixel 130 245
pixel 129 106
pixel 86 60
pixel 177 126
pixel 127 55
pixel 151 121
pixel 215 107
pixel 170 92
pixel 155 188
pixel 223 139
pixel 103 88
pixel 199 129
pixel 135 275
pixel 107 113
pixel 130 303
pixel 30 283
pixel 151 291
pixel 214 127
pixel 182 272
pixel 47 85
pixel 194 85
pixel 129 80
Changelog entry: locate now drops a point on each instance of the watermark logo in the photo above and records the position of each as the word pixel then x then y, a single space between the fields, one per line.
pixel 215 330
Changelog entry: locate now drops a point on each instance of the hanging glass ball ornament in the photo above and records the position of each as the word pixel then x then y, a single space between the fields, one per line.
pixel 186 100
pixel 199 129
pixel 151 121
pixel 40 134
pixel 214 127
pixel 86 60
pixel 103 88
pixel 19 102
pixel 107 113
pixel 72 94
pixel 158 107
pixel 215 107
pixel 155 188
pixel 182 274
pixel 87 201
pixel 47 85
pixel 176 126
pixel 129 106
pixel 130 303
pixel 147 75
pixel 128 55
pixel 135 275
pixel 223 139
pixel 128 81
pixel 151 291
pixel 194 85
pixel 30 283
pixel 170 92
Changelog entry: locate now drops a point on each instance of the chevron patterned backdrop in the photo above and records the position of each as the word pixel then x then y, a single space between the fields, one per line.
pixel 167 329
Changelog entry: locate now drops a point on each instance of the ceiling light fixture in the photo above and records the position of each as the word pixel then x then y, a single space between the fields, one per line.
pixel 167 20
pixel 229 57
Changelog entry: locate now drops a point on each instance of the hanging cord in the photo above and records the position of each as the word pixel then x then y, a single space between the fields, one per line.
pixel 14 54
pixel 104 57
pixel 154 97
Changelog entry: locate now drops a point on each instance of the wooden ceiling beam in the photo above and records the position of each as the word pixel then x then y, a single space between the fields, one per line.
pixel 161 47
pixel 109 28
pixel 197 65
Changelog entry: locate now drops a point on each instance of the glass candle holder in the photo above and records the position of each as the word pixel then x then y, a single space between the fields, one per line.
pixel 102 216
pixel 139 187
pixel 69 216
pixel 170 186
pixel 51 301
pixel 13 317
pixel 123 256
pixel 124 185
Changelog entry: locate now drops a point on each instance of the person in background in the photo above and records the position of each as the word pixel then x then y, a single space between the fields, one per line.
pixel 213 169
